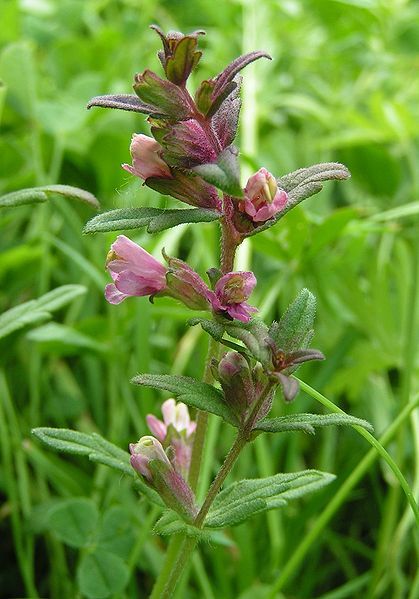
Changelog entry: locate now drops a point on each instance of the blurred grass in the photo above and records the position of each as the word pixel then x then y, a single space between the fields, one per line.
pixel 344 85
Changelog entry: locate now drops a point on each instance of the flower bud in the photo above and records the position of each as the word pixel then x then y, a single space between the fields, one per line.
pixel 185 284
pixel 262 198
pixel 180 55
pixel 176 431
pixel 146 450
pixel 149 459
pixel 236 381
pixel 133 270
pixel 146 160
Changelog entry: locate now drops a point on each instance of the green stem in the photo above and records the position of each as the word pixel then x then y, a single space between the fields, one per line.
pixel 373 441
pixel 170 567
pixel 228 463
pixel 243 437
pixel 201 423
pixel 181 547
pixel 338 499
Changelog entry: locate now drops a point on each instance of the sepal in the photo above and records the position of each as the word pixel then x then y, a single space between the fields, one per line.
pixel 166 97
pixel 180 55
pixel 188 188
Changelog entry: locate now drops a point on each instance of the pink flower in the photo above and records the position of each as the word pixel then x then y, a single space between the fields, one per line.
pixel 143 452
pixel 146 160
pixel 149 459
pixel 262 198
pixel 175 414
pixel 133 270
pixel 176 430
pixel 231 292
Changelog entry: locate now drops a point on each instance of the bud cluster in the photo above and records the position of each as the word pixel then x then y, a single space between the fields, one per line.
pixel 163 461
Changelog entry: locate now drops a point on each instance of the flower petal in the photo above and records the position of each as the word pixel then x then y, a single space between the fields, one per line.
pixel 113 296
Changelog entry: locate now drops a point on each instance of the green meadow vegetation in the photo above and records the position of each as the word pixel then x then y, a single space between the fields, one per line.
pixel 343 87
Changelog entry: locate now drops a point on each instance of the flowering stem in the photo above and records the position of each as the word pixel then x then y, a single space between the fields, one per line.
pixel 180 547
pixel 243 437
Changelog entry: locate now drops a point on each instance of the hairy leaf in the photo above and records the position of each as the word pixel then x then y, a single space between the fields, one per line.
pixel 191 392
pixel 223 174
pixel 295 329
pixel 215 329
pixel 170 523
pixel 308 423
pixel 97 449
pixel 155 219
pixel 235 67
pixel 245 498
pixel 129 102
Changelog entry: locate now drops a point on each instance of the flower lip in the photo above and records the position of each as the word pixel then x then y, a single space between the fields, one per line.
pixel 143 452
pixel 146 161
pixel 262 197
pixel 231 292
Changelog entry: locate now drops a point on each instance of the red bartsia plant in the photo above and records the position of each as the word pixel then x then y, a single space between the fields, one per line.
pixel 189 155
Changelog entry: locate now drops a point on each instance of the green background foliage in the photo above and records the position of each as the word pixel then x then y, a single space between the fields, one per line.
pixel 343 86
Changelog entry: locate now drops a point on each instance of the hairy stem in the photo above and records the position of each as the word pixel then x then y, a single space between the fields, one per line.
pixel 201 422
pixel 242 438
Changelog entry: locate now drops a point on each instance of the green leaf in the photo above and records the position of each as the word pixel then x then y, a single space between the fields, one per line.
pixel 117 532
pixel 254 335
pixel 155 219
pixel 37 311
pixel 101 574
pixel 73 521
pixel 305 182
pixel 213 328
pixel 308 422
pixel 97 449
pixel 192 392
pixel 295 329
pixel 35 195
pixel 170 523
pixel 223 174
pixel 245 498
